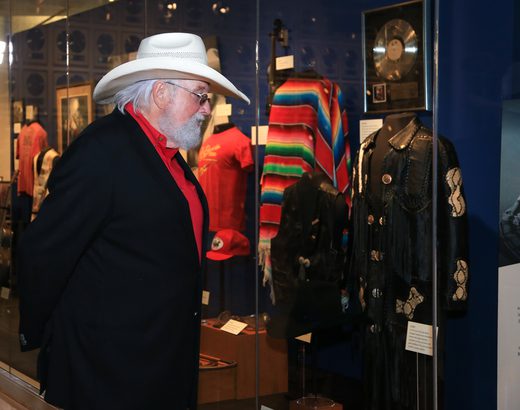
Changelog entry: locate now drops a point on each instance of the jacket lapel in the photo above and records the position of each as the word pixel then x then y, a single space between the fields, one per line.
pixel 191 177
pixel 154 163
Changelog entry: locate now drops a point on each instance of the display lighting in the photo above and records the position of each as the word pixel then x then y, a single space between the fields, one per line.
pixel 220 8
pixel 167 9
pixel 3 46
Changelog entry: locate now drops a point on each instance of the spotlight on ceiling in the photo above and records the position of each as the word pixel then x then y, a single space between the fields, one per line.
pixel 220 8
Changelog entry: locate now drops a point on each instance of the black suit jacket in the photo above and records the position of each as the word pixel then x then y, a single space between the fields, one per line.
pixel 110 277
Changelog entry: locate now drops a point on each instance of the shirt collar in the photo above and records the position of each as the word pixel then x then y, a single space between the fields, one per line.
pixel 402 139
pixel 158 139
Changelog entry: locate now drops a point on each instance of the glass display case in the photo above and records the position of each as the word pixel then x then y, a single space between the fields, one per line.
pixel 341 232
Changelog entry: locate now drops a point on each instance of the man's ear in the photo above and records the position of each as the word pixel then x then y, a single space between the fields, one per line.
pixel 161 94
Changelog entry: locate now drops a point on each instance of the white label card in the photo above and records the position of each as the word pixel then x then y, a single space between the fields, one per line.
pixel 233 326
pixel 17 127
pixel 262 134
pixel 4 294
pixel 223 110
pixel 305 338
pixel 508 345
pixel 367 127
pixel 29 112
pixel 419 338
pixel 205 297
pixel 284 63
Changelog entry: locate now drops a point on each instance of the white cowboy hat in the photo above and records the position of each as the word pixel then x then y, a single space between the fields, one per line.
pixel 166 56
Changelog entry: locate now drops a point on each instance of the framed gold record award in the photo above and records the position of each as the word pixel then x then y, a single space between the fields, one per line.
pixel 396 57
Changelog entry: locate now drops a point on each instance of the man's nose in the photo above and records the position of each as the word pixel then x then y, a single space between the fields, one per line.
pixel 205 109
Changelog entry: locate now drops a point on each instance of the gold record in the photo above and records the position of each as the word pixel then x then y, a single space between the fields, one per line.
pixel 395 50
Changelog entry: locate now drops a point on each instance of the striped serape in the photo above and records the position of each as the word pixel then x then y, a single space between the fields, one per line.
pixel 308 131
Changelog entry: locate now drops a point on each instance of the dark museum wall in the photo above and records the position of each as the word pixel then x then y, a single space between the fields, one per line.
pixel 477 59
pixel 99 36
pixel 476 62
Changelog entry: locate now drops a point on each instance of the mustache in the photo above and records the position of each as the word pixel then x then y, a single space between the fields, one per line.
pixel 199 118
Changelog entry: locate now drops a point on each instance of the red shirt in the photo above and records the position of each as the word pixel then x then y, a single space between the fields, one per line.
pixel 168 154
pixel 224 160
pixel 31 140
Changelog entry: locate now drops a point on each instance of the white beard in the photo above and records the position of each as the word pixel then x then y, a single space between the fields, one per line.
pixel 186 136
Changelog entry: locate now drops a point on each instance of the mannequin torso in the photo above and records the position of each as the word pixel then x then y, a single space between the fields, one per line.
pixel 393 123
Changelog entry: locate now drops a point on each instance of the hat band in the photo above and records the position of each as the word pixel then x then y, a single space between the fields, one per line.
pixel 174 54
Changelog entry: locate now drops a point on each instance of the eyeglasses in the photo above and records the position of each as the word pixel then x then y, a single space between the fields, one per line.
pixel 202 97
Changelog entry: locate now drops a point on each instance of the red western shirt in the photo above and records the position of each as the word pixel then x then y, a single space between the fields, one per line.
pixel 32 140
pixel 168 154
pixel 224 160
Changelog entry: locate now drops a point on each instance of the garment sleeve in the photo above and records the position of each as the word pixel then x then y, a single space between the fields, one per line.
pixel 452 234
pixel 72 215
pixel 244 154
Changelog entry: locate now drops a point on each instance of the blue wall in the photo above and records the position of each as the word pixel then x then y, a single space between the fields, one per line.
pixel 476 57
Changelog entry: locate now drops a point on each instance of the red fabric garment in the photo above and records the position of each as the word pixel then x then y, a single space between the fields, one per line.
pixel 224 160
pixel 168 154
pixel 31 140
pixel 308 130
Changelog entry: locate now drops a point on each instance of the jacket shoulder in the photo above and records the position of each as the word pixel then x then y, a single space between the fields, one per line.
pixel 110 126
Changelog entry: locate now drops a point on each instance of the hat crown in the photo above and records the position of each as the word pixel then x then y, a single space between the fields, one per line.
pixel 165 55
pixel 179 46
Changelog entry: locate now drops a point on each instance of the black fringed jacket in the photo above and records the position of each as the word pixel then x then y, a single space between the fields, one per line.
pixel 401 237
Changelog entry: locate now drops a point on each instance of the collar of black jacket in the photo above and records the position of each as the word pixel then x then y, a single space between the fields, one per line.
pixel 402 139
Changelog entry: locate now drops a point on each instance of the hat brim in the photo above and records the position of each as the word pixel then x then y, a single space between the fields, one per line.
pixel 162 68
pixel 216 256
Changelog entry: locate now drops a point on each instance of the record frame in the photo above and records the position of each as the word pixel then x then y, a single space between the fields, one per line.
pixel 401 79
pixel 74 112
pixel 18 115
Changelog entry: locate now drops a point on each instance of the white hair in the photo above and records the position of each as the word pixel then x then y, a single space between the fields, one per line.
pixel 138 94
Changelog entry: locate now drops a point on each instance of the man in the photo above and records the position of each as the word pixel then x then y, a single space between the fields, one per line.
pixel 110 269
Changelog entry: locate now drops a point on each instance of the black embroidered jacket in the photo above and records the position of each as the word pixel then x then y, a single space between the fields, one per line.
pixel 391 251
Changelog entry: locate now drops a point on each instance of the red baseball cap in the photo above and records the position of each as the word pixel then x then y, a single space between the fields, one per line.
pixel 228 243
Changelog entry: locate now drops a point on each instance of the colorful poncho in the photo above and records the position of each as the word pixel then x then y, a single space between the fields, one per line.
pixel 308 131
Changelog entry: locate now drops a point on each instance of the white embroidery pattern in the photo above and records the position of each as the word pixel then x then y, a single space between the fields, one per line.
pixel 456 200
pixel 461 278
pixel 408 308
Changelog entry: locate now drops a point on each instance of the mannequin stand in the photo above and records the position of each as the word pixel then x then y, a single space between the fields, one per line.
pixel 312 401
pixel 222 278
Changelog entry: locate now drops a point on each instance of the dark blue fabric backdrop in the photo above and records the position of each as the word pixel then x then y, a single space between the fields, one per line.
pixel 476 63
